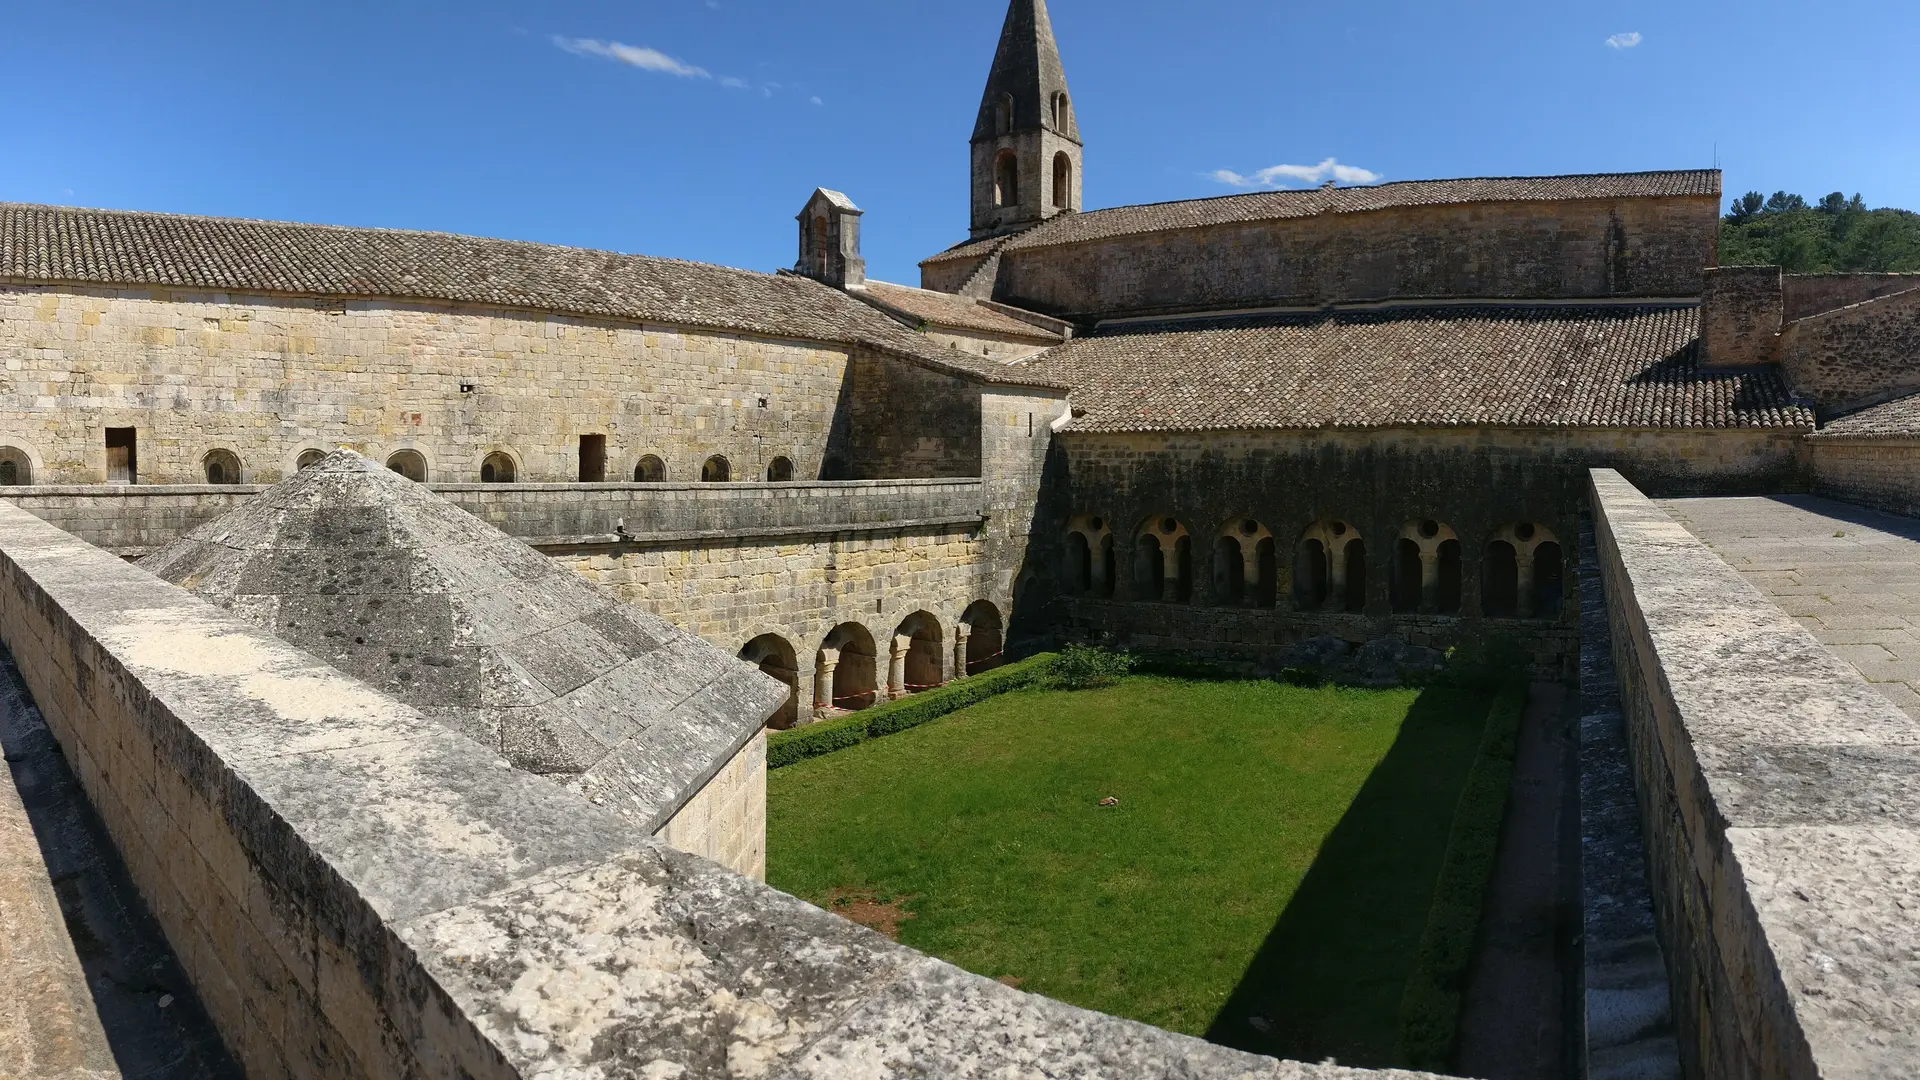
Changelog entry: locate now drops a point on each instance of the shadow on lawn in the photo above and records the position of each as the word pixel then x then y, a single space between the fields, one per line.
pixel 1328 980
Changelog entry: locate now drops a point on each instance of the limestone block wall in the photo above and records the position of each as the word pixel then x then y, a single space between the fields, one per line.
pixel 943 437
pixel 1855 356
pixel 1775 793
pixel 1881 473
pixel 1655 247
pixel 1804 295
pixel 267 377
pixel 1002 347
pixel 356 892
pixel 1740 316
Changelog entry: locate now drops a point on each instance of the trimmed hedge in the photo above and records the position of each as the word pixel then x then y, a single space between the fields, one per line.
pixel 815 740
pixel 1430 1005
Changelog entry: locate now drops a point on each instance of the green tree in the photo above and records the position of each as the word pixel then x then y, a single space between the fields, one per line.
pixel 1746 208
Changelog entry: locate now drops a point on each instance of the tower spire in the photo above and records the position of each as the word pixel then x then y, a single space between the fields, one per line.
pixel 1026 142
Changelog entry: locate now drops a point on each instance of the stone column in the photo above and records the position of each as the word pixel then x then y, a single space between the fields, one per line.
pixel 1249 575
pixel 1170 573
pixel 1336 577
pixel 1099 569
pixel 823 681
pixel 1429 581
pixel 897 667
pixel 960 635
pixel 1524 559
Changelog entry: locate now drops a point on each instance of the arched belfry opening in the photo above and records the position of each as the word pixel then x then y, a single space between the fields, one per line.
pixel 830 241
pixel 1026 157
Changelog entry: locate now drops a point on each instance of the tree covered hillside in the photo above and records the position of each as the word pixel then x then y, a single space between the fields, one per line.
pixel 1835 235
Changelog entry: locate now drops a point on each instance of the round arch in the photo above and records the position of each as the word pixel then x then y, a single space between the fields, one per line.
pixel 308 458
pixel 221 467
pixel 1162 561
pixel 918 660
pixel 410 463
pixel 650 470
pixel 780 471
pixel 775 657
pixel 845 671
pixel 1524 573
pixel 1330 568
pixel 499 467
pixel 981 640
pixel 1246 571
pixel 16 466
pixel 1426 575
pixel 716 470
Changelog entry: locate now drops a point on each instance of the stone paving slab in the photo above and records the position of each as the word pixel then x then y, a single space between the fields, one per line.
pixel 1846 573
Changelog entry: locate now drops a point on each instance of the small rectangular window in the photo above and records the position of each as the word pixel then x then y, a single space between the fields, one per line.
pixel 593 459
pixel 123 456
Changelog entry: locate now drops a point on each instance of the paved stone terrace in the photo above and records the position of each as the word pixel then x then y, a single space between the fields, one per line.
pixel 1850 575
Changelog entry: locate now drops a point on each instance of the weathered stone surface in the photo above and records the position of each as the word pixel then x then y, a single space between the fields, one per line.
pixel 1786 906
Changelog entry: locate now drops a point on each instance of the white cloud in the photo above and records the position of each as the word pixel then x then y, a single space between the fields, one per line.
pixel 816 100
pixel 1278 176
pixel 633 55
pixel 732 83
pixel 1624 41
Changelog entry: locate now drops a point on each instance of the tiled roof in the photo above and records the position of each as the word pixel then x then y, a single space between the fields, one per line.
pixel 1273 205
pixel 1896 419
pixel 59 245
pixel 1482 365
pixel 951 310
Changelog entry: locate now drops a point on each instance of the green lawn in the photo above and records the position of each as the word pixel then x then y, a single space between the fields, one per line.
pixel 1264 880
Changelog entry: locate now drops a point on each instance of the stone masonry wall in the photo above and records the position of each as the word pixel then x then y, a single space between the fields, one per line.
pixel 355 892
pixel 1775 790
pixel 1598 248
pixel 1810 294
pixel 942 437
pixel 1740 316
pixel 268 377
pixel 1855 356
pixel 1474 483
pixel 1883 474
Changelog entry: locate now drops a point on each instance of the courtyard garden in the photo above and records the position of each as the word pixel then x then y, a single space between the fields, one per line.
pixel 1295 871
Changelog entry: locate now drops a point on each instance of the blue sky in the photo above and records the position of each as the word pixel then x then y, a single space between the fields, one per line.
pixel 701 134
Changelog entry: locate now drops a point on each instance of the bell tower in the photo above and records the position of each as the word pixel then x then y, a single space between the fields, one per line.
pixel 1026 144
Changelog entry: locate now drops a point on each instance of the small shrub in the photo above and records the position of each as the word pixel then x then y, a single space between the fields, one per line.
pixel 1084 667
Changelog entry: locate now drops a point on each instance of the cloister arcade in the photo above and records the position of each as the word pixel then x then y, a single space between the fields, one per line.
pixel 1428 569
pixel 859 665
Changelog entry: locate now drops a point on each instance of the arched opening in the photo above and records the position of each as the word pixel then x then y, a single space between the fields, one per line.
pixel 650 470
pixel 820 246
pixel 1003 115
pixel 1405 583
pixel 221 467
pixel 1079 570
pixel 1062 181
pixel 1500 581
pixel 1450 578
pixel 1356 591
pixel 1104 584
pixel 1149 568
pixel 985 640
pixel 717 470
pixel 498 468
pixel 1549 580
pixel 844 671
pixel 917 660
pixel 1229 571
pixel 308 459
pixel 775 657
pixel 1266 592
pixel 780 471
pixel 1183 570
pixel 1310 575
pixel 16 468
pixel 410 464
pixel 1006 179
pixel 1062 112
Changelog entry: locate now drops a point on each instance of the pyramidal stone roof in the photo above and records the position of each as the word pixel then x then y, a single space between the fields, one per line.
pixel 392 584
pixel 1027 68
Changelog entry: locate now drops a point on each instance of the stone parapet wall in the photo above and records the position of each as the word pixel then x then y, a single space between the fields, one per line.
pixel 1776 794
pixel 356 892
pixel 1810 294
pixel 1881 473
pixel 1855 356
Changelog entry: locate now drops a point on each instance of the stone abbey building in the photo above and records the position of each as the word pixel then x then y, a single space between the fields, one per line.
pixel 1225 426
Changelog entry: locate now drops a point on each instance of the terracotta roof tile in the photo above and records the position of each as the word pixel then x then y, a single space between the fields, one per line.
pixel 1274 205
pixel 952 310
pixel 60 245
pixel 1450 366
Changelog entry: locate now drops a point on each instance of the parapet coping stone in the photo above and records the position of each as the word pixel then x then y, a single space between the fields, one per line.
pixel 577 947
pixel 1814 779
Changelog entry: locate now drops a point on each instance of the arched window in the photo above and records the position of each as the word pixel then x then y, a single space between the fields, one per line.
pixel 1079 570
pixel 1330 569
pixel 1003 115
pixel 917 661
pixel 1500 581
pixel 1062 181
pixel 775 657
pixel 1243 565
pixel 716 471
pixel 498 468
pixel 1149 568
pixel 1525 574
pixel 410 464
pixel 1426 570
pixel 780 471
pixel 221 467
pixel 1006 179
pixel 843 678
pixel 1549 581
pixel 16 467
pixel 1062 112
pixel 308 459
pixel 1089 558
pixel 1163 561
pixel 650 470
pixel 985 638
pixel 820 246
